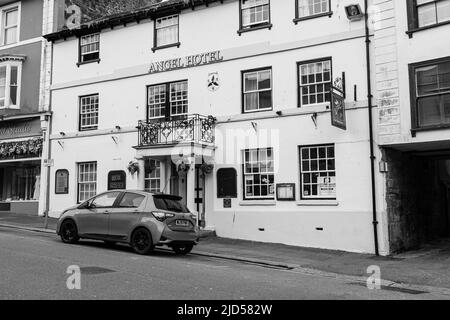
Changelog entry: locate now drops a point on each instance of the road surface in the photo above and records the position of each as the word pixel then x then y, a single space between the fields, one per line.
pixel 35 265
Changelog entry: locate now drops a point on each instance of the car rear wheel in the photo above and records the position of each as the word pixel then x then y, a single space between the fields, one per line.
pixel 69 232
pixel 141 241
pixel 182 249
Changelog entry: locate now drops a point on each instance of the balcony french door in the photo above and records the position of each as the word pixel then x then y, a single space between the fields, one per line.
pixel 167 101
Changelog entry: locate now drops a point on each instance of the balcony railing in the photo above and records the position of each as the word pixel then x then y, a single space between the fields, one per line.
pixel 192 128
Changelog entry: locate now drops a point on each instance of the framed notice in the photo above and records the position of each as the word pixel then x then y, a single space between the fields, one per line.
pixel 117 180
pixel 62 182
pixel 286 192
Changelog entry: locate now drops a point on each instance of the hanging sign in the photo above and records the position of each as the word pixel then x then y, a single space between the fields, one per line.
pixel 186 62
pixel 338 116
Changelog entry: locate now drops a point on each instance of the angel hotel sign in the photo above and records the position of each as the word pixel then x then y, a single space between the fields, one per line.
pixel 186 62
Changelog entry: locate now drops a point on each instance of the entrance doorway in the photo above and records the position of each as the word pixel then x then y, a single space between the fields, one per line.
pixel 417 197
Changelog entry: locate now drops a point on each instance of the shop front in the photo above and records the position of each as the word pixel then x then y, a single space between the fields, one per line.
pixel 20 165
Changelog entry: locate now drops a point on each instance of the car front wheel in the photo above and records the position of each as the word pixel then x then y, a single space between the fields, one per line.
pixel 141 241
pixel 182 249
pixel 69 232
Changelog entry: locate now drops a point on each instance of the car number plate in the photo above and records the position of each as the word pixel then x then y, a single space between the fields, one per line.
pixel 182 223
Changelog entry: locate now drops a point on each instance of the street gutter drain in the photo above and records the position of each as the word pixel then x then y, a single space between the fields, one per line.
pixel 95 270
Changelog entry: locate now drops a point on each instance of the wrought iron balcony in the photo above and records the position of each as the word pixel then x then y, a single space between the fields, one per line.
pixel 186 129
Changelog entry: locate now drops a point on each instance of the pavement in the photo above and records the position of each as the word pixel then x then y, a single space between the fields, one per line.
pixel 424 269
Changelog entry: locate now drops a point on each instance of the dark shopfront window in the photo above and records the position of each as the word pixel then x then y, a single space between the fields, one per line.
pixel 20 182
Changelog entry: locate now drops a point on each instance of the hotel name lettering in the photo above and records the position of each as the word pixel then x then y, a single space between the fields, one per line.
pixel 186 62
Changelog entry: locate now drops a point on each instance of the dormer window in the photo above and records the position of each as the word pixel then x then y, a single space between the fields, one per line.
pixel 9 24
pixel 10 79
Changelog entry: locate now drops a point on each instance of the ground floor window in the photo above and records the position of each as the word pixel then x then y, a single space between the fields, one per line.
pixel 20 182
pixel 318 172
pixel 87 180
pixel 259 176
pixel 153 176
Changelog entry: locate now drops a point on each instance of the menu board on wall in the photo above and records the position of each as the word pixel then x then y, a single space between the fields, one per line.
pixel 117 180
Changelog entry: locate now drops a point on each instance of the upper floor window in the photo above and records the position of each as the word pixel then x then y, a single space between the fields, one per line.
pixel 254 14
pixel 10 79
pixel 315 82
pixel 88 112
pixel 166 32
pixel 9 24
pixel 430 92
pixel 306 9
pixel 257 90
pixel 427 13
pixel 167 99
pixel 90 48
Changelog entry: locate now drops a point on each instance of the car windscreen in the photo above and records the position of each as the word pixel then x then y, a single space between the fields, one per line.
pixel 170 205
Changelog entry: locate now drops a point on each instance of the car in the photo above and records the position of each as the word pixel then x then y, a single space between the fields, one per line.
pixel 138 218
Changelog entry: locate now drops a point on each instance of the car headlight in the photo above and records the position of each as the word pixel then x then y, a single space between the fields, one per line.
pixel 161 216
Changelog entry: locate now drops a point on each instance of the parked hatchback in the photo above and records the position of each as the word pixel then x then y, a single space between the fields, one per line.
pixel 140 219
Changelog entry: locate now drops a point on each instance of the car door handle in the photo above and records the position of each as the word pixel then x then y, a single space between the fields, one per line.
pixel 106 212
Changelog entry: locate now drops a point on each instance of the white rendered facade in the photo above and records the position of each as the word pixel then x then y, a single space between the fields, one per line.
pixel 341 221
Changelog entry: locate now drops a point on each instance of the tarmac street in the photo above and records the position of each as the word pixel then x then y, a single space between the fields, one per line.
pixel 39 266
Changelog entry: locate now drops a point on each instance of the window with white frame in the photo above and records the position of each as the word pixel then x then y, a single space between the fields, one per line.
pixel 315 82
pixel 10 79
pixel 318 172
pixel 88 112
pixel 90 48
pixel 254 13
pixel 10 17
pixel 259 174
pixel 87 180
pixel 157 101
pixel 257 90
pixel 160 104
pixel 430 12
pixel 179 98
pixel 153 176
pixel 310 8
pixel 166 31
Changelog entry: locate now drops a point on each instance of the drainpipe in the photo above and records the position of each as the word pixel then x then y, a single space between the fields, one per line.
pixel 371 139
pixel 49 148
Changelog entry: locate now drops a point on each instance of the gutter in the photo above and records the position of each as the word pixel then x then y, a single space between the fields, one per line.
pixel 371 135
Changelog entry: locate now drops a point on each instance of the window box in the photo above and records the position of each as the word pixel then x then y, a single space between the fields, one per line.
pixel 424 15
pixel 88 62
pixel 263 26
pixel 430 94
pixel 318 203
